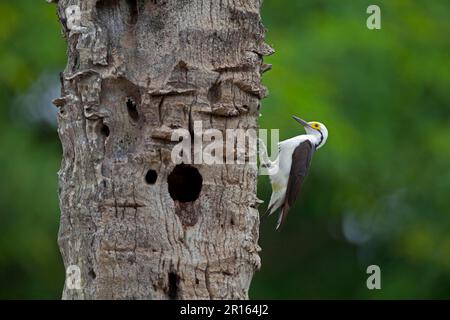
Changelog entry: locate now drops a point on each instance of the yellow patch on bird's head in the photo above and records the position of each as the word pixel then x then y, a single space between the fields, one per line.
pixel 314 125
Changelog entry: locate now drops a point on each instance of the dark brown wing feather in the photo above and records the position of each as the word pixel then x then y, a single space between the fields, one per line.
pixel 301 161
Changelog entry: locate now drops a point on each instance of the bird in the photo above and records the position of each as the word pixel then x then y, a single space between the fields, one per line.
pixel 289 170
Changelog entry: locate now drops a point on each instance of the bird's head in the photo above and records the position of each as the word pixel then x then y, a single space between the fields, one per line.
pixel 316 129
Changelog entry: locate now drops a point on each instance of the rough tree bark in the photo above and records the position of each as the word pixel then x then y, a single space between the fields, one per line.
pixel 137 226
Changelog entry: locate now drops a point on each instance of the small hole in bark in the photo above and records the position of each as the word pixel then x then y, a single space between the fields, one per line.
pixel 132 5
pixel 185 183
pixel 232 222
pixel 92 274
pixel 197 281
pixel 104 130
pixel 151 176
pixel 214 93
pixel 174 281
pixel 132 109
pixel 75 62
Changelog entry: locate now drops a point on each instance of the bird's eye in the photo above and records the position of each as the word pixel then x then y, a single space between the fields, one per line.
pixel 316 125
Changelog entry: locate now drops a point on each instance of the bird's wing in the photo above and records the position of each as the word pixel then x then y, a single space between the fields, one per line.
pixel 301 160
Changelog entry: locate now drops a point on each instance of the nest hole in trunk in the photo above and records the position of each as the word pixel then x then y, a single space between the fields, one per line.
pixel 185 183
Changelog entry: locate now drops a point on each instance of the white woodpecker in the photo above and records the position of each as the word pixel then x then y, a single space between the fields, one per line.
pixel 288 172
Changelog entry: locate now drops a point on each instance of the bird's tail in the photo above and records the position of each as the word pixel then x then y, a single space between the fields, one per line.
pixel 274 204
pixel 267 213
pixel 282 216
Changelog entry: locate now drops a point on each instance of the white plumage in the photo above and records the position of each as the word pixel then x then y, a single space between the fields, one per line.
pixel 287 177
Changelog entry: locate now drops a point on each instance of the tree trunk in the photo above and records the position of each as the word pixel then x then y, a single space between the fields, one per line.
pixel 136 225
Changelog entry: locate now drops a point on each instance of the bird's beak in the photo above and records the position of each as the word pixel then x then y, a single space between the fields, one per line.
pixel 301 121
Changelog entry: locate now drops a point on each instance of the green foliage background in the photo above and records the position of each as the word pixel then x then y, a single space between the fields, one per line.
pixel 377 192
